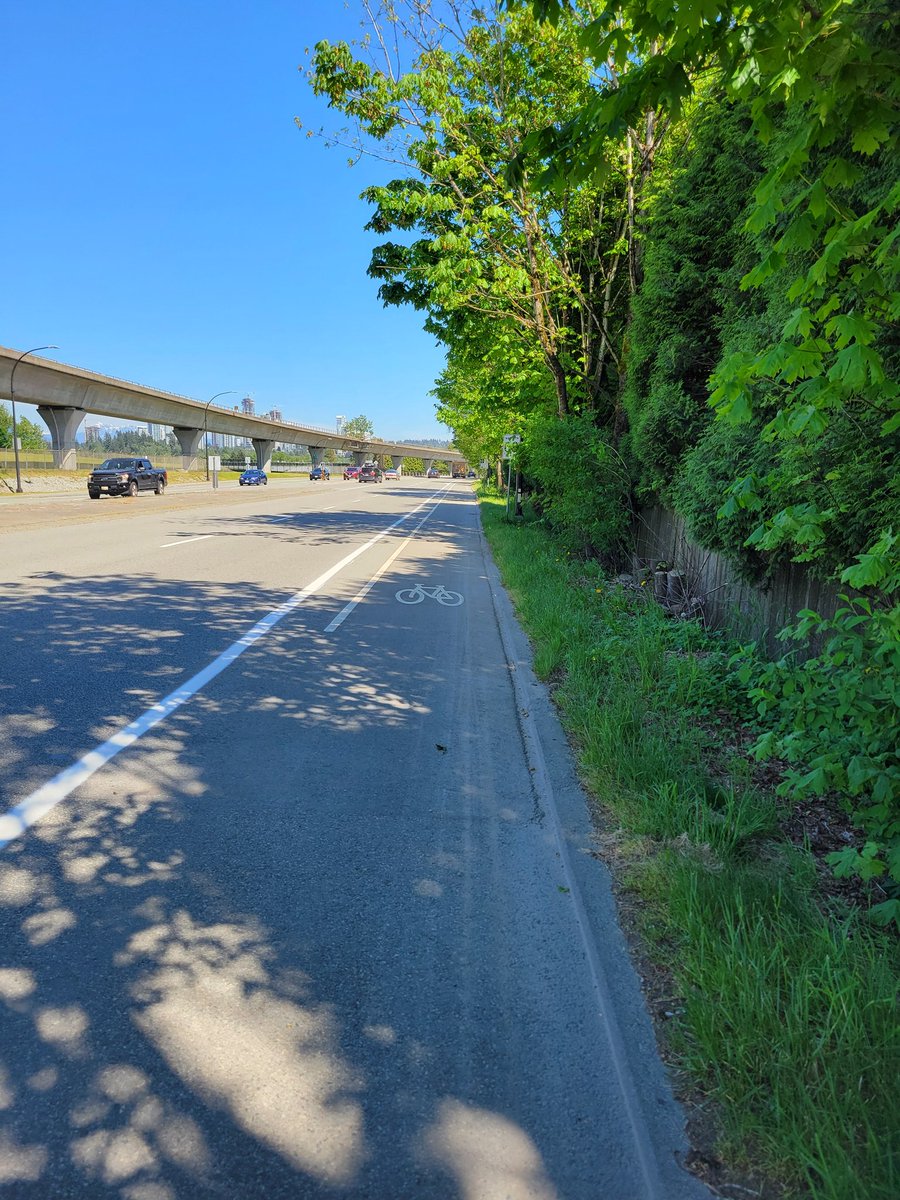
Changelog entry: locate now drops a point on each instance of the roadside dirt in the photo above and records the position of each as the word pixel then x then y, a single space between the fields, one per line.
pixel 34 481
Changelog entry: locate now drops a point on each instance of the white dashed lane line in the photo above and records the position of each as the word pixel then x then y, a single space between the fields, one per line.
pixel 184 541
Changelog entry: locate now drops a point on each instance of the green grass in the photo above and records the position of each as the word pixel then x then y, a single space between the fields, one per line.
pixel 789 1021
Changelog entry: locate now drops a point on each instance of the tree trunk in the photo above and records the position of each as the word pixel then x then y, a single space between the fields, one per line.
pixel 559 379
pixel 629 207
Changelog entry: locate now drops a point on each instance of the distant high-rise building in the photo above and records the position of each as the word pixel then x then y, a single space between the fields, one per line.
pixel 275 415
pixel 157 432
pixel 93 433
pixel 248 407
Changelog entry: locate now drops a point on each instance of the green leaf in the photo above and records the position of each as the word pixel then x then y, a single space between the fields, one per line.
pixel 859 770
pixel 807 419
pixel 798 324
pixel 851 367
pixel 851 327
pixel 867 139
pixel 818 199
pixel 886 913
pixel 815 782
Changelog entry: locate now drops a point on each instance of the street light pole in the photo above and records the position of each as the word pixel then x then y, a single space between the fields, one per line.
pixel 206 426
pixel 12 397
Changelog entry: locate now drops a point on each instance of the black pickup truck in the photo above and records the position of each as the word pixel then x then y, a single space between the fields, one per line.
pixel 126 477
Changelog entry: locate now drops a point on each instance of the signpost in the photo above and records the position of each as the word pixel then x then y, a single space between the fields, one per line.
pixel 509 439
pixel 215 465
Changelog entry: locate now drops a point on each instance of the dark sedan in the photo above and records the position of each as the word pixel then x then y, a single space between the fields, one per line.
pixel 254 475
pixel 369 474
pixel 320 473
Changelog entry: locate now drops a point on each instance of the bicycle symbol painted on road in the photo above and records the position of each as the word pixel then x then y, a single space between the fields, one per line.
pixel 415 595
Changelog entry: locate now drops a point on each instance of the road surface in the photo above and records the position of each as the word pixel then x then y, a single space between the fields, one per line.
pixel 296 895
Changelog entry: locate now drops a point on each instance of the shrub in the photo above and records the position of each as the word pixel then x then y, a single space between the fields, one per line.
pixel 834 717
pixel 581 484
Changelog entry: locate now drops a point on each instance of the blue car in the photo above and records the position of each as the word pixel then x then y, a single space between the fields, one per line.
pixel 254 475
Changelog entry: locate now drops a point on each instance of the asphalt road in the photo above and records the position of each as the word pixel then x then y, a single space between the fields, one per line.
pixel 296 897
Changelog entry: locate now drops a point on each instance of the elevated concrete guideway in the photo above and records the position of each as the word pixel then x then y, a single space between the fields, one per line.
pixel 64 395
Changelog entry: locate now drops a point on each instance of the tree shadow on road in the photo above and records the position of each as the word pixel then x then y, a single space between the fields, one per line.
pixel 199 996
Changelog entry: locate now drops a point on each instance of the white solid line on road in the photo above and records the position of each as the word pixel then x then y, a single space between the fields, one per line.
pixel 22 816
pixel 367 587
pixel 184 541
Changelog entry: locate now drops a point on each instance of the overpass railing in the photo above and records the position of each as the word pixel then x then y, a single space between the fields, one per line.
pixel 44 460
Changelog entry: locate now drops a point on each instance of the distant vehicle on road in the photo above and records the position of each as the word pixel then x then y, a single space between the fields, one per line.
pixel 351 472
pixel 320 473
pixel 253 475
pixel 433 473
pixel 390 473
pixel 370 473
pixel 126 477
pixel 471 475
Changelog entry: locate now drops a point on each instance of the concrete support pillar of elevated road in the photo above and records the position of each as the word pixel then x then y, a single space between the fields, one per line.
pixel 427 463
pixel 316 453
pixel 63 425
pixel 189 441
pixel 359 457
pixel 263 448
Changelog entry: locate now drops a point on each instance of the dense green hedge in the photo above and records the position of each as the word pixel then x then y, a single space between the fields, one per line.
pixel 689 316
pixel 582 485
pixel 689 299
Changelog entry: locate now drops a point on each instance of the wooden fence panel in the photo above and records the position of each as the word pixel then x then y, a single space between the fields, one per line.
pixel 745 610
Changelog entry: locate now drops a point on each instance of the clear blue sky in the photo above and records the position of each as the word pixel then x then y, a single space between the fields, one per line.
pixel 165 221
